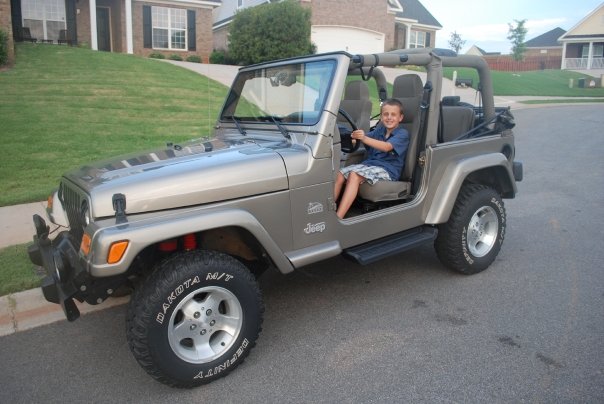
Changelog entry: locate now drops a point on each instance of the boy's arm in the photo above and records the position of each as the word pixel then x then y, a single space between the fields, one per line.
pixel 360 135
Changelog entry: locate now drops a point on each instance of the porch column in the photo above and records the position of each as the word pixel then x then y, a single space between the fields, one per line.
pixel 590 55
pixel 563 56
pixel 129 47
pixel 94 43
pixel 407 36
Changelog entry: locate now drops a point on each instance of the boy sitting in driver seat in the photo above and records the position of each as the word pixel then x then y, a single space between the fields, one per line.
pixel 386 150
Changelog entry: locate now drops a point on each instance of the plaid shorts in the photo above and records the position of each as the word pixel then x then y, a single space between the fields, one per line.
pixel 372 174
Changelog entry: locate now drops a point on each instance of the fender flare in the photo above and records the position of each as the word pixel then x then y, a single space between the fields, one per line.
pixel 455 174
pixel 152 230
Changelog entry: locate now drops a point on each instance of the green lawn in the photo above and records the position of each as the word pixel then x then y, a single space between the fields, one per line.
pixel 536 83
pixel 64 106
pixel 17 273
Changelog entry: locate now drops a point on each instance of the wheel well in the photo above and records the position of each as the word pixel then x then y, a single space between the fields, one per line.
pixel 232 240
pixel 494 177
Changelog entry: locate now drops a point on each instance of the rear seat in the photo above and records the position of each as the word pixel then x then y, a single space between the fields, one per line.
pixel 455 121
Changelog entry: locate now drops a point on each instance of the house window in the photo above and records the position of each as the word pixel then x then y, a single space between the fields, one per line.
pixel 169 28
pixel 598 51
pixel 418 39
pixel 44 18
pixel 239 3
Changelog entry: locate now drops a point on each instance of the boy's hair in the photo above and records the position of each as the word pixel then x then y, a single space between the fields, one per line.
pixel 393 102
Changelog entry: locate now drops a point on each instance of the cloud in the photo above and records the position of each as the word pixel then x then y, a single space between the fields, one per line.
pixel 493 37
pixel 484 32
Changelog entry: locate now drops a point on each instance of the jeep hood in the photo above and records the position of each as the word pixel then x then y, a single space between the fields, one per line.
pixel 192 174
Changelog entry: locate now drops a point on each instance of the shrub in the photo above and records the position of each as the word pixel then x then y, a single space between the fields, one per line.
pixel 217 57
pixel 174 56
pixel 194 59
pixel 156 55
pixel 221 57
pixel 3 48
pixel 270 31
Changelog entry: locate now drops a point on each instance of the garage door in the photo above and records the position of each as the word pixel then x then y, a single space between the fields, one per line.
pixel 330 38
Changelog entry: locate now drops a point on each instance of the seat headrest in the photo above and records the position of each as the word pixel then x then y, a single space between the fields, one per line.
pixel 407 85
pixel 408 89
pixel 356 90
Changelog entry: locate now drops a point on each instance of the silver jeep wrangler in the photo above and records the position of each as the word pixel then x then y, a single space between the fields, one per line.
pixel 190 227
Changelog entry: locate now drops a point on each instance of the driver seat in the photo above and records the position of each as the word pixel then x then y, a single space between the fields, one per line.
pixel 357 104
pixel 408 89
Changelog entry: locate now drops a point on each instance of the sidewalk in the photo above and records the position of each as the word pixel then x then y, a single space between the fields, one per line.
pixel 16 223
pixel 25 310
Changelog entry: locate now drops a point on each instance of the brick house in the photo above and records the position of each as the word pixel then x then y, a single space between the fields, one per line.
pixel 583 44
pixel 6 26
pixel 356 26
pixel 140 27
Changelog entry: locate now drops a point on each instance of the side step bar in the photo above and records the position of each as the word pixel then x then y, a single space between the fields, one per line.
pixel 385 247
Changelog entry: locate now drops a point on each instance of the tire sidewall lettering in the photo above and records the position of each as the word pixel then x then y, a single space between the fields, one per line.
pixel 161 325
pixel 185 286
pixel 497 205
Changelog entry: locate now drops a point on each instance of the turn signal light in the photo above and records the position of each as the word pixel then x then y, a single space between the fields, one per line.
pixel 116 251
pixel 85 244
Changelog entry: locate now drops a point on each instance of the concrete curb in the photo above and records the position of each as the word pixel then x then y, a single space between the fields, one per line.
pixel 26 310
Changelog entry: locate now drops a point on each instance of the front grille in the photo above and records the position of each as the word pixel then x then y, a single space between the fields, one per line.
pixel 72 203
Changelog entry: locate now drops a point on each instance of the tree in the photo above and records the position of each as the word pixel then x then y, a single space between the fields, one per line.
pixel 455 42
pixel 516 35
pixel 270 31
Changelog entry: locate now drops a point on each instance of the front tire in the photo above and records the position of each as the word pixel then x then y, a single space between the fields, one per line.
pixel 470 241
pixel 195 318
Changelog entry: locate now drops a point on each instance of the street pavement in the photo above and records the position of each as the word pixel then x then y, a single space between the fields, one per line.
pixel 24 310
pixel 405 329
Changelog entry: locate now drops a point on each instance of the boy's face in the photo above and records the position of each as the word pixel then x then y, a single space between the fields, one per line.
pixel 391 116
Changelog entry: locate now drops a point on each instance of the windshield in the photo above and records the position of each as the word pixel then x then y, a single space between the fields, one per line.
pixel 293 94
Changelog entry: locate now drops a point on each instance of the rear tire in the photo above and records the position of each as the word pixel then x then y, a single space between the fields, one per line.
pixel 195 318
pixel 470 241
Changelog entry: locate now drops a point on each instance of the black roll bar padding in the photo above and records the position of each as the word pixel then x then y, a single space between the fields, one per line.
pixel 482 125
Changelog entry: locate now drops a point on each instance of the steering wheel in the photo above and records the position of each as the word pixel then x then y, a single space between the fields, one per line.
pixel 347 145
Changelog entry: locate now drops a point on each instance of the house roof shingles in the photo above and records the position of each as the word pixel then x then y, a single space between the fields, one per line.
pixel 549 39
pixel 414 10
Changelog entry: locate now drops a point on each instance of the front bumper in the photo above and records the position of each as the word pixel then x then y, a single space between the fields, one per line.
pixel 65 277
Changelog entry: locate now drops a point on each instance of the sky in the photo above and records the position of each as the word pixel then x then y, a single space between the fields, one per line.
pixel 485 22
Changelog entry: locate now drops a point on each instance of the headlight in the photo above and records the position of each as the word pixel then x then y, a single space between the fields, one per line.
pixel 85 214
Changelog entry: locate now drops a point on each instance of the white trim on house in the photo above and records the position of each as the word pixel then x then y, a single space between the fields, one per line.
pixel 394 6
pixel 94 41
pixel 129 42
pixel 183 3
pixel 582 63
pixel 415 23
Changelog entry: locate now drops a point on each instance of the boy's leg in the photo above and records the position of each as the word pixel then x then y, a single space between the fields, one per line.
pixel 337 187
pixel 350 193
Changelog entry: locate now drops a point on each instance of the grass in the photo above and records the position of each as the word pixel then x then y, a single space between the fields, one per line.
pixel 373 93
pixel 17 273
pixel 535 83
pixel 64 106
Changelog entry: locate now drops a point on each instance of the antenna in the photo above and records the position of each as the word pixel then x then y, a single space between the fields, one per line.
pixel 209 98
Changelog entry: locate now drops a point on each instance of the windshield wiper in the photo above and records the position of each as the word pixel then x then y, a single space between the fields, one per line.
pixel 239 128
pixel 276 120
